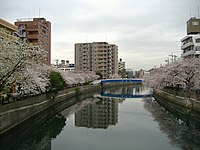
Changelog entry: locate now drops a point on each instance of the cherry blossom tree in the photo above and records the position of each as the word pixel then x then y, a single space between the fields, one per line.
pixel 21 63
pixel 15 58
pixel 35 79
pixel 184 73
pixel 76 77
pixel 189 73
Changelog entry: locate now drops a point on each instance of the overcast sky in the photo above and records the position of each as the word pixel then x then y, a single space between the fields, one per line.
pixel 146 31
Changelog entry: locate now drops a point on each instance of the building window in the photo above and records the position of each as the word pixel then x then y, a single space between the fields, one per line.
pixel 195 23
pixel 198 48
pixel 198 40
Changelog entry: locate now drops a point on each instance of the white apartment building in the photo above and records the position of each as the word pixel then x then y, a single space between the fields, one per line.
pixel 190 46
pixel 99 57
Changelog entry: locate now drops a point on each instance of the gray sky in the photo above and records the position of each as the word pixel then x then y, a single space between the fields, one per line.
pixel 146 31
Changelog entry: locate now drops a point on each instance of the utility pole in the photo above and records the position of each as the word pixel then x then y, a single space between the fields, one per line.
pixel 175 58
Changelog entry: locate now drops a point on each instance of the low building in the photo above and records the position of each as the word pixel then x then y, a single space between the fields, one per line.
pixel 129 73
pixel 7 31
pixel 140 73
pixel 64 65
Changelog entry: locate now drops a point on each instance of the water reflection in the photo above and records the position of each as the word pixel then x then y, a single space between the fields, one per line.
pixel 40 138
pixel 131 121
pixel 126 92
pixel 180 127
pixel 105 112
pixel 98 115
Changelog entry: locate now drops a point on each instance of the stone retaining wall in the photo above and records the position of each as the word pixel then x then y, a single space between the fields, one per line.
pixel 15 113
pixel 188 103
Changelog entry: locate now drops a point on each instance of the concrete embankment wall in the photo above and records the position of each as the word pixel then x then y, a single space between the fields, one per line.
pixel 185 102
pixel 14 113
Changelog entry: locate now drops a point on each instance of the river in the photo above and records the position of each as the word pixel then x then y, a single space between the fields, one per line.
pixel 123 118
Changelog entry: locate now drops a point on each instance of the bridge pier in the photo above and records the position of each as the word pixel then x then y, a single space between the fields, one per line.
pixel 101 87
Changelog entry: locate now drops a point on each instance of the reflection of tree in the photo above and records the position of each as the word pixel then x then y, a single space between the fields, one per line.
pixel 41 137
pixel 177 131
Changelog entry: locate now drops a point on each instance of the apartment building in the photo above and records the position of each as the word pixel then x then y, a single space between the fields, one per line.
pixel 122 70
pixel 36 31
pixel 121 64
pixel 7 31
pixel 190 44
pixel 99 57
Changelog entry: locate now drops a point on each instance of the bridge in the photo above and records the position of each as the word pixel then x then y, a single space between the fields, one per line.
pixel 121 80
pixel 108 95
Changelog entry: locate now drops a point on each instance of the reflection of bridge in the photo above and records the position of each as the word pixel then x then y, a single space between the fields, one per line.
pixel 121 80
pixel 104 95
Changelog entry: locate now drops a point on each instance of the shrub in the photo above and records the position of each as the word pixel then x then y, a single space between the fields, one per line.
pixel 56 81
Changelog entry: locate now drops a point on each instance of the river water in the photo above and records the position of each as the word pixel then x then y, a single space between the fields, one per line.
pixel 124 118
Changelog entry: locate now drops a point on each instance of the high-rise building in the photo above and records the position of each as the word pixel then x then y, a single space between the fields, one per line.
pixel 190 44
pixel 99 57
pixel 37 31
pixel 7 31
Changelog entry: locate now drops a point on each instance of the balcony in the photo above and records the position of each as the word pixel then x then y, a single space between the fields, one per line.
pixel 187 45
pixel 33 26
pixel 32 36
pixel 85 56
pixel 188 53
pixel 101 52
pixel 100 57
pixel 8 36
pixel 102 69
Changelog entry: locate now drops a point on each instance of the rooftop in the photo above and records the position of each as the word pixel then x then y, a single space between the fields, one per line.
pixel 8 25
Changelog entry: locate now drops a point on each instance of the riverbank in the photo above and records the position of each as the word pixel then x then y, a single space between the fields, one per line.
pixel 15 113
pixel 187 103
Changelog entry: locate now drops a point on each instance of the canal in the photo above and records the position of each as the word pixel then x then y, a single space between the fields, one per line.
pixel 120 118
